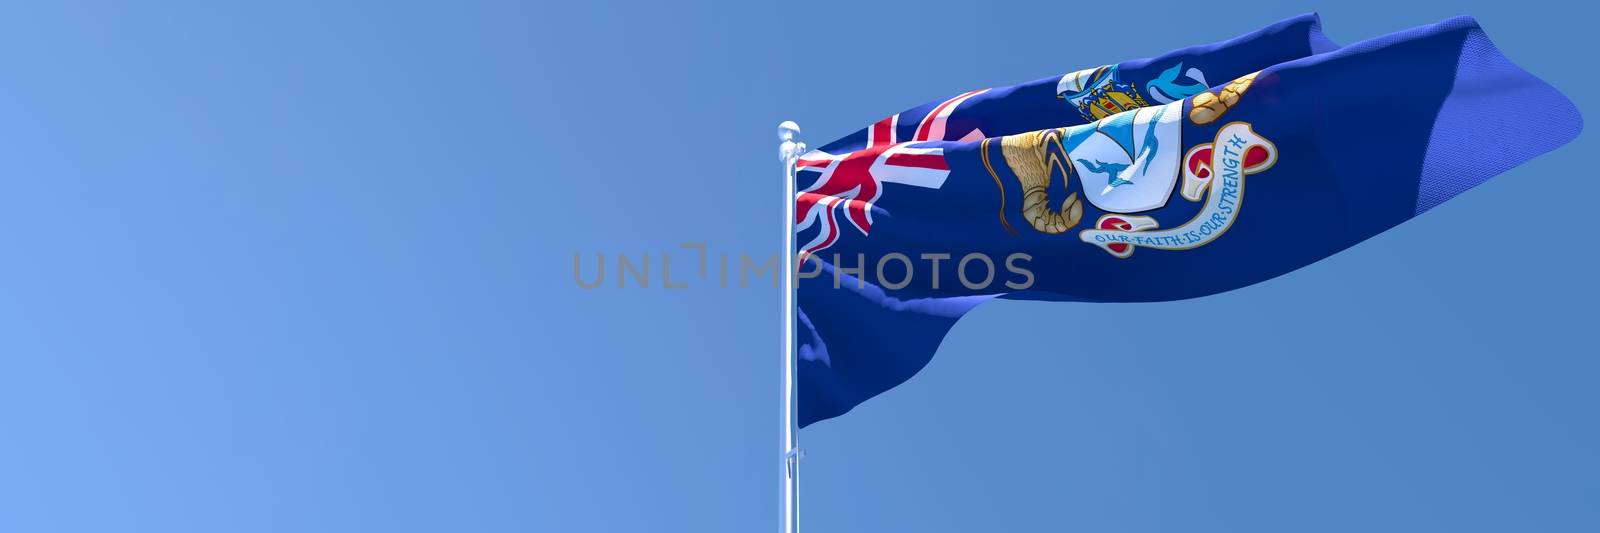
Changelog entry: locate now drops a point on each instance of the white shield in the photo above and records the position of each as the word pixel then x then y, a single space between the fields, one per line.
pixel 1130 162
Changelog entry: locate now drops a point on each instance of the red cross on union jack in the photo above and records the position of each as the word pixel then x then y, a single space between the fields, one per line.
pixel 853 181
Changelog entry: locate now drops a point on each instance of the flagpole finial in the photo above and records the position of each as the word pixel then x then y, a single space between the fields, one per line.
pixel 790 150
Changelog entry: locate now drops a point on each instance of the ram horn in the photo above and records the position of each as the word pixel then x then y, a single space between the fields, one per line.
pixel 1207 107
pixel 1031 159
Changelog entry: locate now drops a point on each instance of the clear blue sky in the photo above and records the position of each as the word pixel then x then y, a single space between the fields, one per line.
pixel 306 266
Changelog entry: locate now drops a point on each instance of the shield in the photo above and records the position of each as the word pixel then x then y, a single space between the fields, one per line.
pixel 1129 162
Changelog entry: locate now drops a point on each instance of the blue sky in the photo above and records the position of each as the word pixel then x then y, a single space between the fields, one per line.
pixel 307 267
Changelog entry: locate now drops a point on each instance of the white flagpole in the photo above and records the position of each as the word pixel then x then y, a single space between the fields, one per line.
pixel 789 151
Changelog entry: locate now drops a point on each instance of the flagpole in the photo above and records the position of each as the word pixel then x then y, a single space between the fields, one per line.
pixel 789 152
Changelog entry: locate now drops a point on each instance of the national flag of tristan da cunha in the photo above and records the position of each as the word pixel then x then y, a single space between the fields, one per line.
pixel 1128 182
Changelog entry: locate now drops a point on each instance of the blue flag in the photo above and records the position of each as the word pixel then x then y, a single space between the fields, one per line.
pixel 900 236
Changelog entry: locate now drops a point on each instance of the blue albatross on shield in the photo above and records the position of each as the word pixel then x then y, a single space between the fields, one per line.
pixel 1128 162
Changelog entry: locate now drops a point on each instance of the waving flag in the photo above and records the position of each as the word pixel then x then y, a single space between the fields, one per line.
pixel 1143 198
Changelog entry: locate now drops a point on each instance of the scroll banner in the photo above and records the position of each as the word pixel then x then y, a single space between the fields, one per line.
pixel 1236 152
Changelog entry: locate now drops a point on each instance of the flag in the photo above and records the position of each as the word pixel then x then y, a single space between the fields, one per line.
pixel 1148 203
